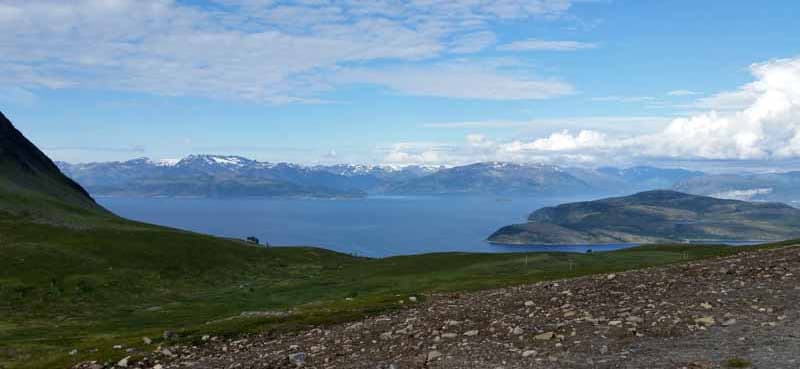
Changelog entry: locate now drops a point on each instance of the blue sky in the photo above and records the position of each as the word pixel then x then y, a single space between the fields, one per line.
pixel 401 82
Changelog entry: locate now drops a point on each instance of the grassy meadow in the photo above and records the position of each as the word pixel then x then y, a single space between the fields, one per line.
pixel 104 281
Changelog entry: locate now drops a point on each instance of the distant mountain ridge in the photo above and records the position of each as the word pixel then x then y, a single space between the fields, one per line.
pixel 206 176
pixel 223 176
pixel 654 216
pixel 495 178
pixel 233 176
pixel 27 175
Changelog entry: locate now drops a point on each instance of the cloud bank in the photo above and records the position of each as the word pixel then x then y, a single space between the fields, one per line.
pixel 766 126
pixel 259 50
pixel 537 44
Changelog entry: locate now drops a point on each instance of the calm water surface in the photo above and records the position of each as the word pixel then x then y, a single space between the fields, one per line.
pixel 375 226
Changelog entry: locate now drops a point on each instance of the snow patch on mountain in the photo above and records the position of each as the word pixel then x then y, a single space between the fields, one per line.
pixel 165 162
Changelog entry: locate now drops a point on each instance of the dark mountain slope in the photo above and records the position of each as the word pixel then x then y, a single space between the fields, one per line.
pixel 654 216
pixel 27 174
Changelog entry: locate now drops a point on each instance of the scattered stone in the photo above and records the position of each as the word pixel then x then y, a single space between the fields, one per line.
pixel 355 326
pixel 634 319
pixel 124 362
pixel 73 352
pixel 298 359
pixel 706 321
pixel 147 340
pixel 544 336
pixel 611 276
pixel 412 299
pixel 582 322
pixel 169 335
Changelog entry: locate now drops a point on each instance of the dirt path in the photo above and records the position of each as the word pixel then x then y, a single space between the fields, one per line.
pixel 697 315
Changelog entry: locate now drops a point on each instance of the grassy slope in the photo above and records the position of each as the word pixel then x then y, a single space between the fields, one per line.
pixel 113 281
pixel 654 216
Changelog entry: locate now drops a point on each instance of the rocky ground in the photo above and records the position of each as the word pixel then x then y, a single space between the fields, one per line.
pixel 737 311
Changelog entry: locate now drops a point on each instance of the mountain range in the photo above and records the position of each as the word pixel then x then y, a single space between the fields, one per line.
pixel 654 216
pixel 232 176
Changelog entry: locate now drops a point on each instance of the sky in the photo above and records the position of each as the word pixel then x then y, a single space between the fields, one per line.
pixel 708 84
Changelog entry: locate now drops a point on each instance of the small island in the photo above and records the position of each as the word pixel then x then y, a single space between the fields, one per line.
pixel 653 217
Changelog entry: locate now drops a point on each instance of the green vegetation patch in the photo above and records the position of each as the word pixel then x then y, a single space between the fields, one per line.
pixel 737 363
pixel 113 282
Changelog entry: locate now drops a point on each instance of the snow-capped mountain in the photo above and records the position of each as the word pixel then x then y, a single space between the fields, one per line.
pixel 220 175
pixel 355 170
pixel 495 178
pixel 203 175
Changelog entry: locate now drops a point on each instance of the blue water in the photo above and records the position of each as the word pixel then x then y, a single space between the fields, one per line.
pixel 375 226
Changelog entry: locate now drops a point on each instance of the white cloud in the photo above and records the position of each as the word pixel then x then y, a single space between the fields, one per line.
pixel 459 80
pixel 623 99
pixel 245 49
pixel 681 93
pixel 767 128
pixel 476 139
pixel 561 147
pixel 728 100
pixel 424 153
pixel 472 42
pixel 537 44
pixel 629 125
pixel 560 141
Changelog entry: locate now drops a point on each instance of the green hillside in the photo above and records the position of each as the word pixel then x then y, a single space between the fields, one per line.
pixel 655 216
pixel 75 277
pixel 31 183
pixel 112 283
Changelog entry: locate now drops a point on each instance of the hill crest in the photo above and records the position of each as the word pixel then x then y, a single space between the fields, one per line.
pixel 28 173
pixel 654 216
